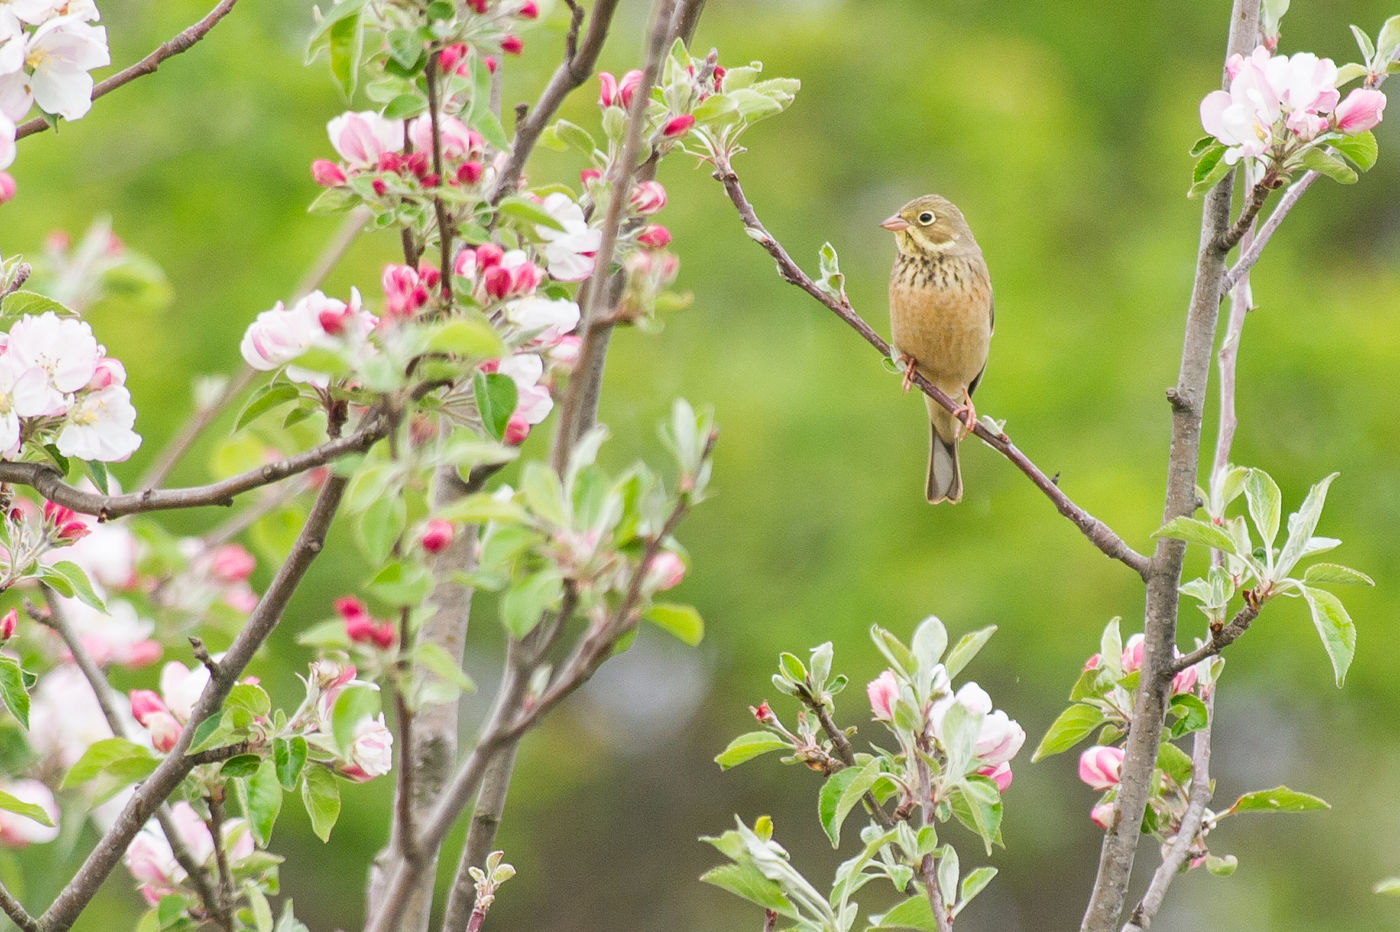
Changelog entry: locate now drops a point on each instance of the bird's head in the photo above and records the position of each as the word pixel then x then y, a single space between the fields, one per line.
pixel 930 225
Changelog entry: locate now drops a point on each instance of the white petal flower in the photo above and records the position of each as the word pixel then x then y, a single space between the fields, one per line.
pixel 63 348
pixel 61 52
pixel 537 314
pixel 99 426
pixel 568 252
pixel 362 137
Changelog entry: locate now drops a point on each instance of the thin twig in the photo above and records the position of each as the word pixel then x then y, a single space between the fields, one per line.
pixel 49 483
pixel 156 788
pixel 403 794
pixel 180 43
pixel 1198 797
pixel 576 68
pixel 215 824
pixel 844 752
pixel 1219 640
pixel 1251 252
pixel 1098 533
pixel 444 223
pixel 1257 196
pixel 14 909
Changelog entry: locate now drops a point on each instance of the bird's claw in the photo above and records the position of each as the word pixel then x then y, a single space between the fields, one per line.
pixel 908 381
pixel 966 414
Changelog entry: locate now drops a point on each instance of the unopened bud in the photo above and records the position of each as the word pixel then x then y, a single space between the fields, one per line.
pixel 326 173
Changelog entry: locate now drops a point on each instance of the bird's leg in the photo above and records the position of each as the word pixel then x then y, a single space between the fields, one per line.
pixel 909 363
pixel 966 413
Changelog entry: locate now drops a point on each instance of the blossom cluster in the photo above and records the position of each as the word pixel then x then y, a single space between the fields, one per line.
pixel 281 334
pixel 47 48
pixel 57 384
pixel 1277 104
pixel 372 146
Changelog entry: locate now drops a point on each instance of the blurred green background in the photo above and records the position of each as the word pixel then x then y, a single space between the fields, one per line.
pixel 1061 130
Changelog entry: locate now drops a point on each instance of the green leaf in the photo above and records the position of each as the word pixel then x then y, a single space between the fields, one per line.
pixel 405 47
pixel 320 793
pixel 967 648
pixel 1264 500
pixel 1301 525
pixel 572 136
pixel 481 507
pixel 1363 42
pixel 117 756
pixel 1361 149
pixel 100 478
pixel 1325 163
pixel 354 704
pixel 381 526
pixel 1388 40
pixel 750 745
pixel 848 792
pixel 436 660
pixel 1221 866
pixel 682 622
pixel 496 396
pixel 265 799
pixel 1194 531
pixel 1072 726
pixel 1390 886
pixel 543 492
pixel 267 398
pixel 974 883
pixel 405 106
pixel 1174 762
pixel 1208 171
pixel 1334 626
pixel 896 653
pixel 747 882
pixel 347 43
pixel 913 913
pixel 929 641
pixel 1349 72
pixel 526 600
pixel 976 803
pixel 1191 715
pixel 12 690
pixel 28 810
pixel 1201 145
pixel 243 765
pixel 468 337
pixel 1278 799
pixel 19 304
pixel 289 757
pixel 1336 574
pixel 209 733
pixel 400 583
pixel 522 208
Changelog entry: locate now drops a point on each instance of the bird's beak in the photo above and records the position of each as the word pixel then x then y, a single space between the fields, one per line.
pixel 895 224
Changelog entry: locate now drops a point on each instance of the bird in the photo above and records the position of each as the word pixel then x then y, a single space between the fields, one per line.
pixel 941 317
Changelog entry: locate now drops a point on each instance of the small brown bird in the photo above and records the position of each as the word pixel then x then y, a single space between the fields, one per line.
pixel 941 320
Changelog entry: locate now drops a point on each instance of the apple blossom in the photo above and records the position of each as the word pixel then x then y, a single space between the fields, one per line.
pixel 108 372
pixel 458 140
pixel 326 173
pixel 533 402
pixel 607 89
pixel 1099 766
pixel 1132 654
pixel 547 319
pixel 882 692
pixel 107 555
pixel 1360 111
pixel 118 635
pixel 61 52
pixel 565 351
pixel 62 347
pixel 1101 815
pixel 64 717
pixel 1185 681
pixel 654 236
pixel 8 623
pixel 1243 117
pixel 361 137
pixel 528 10
pixel 99 426
pixel 67 527
pixel 181 686
pixel 146 703
pixel 18 831
pixel 664 571
pixel 999 774
pixel 281 334
pixel 647 197
pixel 627 87
pixel 7 156
pixel 568 252
pixel 512 45
pixel 678 126
pixel 469 173
pixel 437 535
pixel 371 751
pixel 999 740
pixel 7 181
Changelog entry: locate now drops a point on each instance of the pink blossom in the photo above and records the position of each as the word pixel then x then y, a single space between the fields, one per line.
pixel 1099 766
pixel 517 429
pixel 1093 662
pixel 117 636
pixel 231 563
pixel 281 334
pixel 1360 111
pixel 533 402
pixel 882 692
pixel 326 173
pixel 371 751
pixel 451 56
pixel 678 126
pixel 588 176
pixel 7 181
pixel 546 319
pixel 763 713
pixel 64 717
pixel 654 236
pixel 512 45
pixel 437 535
pixel 458 140
pixel 528 10
pixel 665 571
pixel 329 675
pixel 67 527
pixel 181 687
pixel 362 137
pixel 1185 681
pixel 627 87
pixel 63 348
pixel 108 372
pixel 647 198
pixel 1303 81
pixel 165 731
pixel 146 703
pixel 17 831
pixel 1132 654
pixel 564 353
pixel 1000 774
pixel 8 623
pixel 1243 117
pixel 607 89
pixel 1101 815
pixel 61 52
pixel 469 173
pixel 403 292
pixel 999 740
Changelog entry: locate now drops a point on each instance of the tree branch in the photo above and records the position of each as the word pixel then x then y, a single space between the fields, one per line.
pixel 1250 254
pixel 1164 574
pixel 47 481
pixel 163 781
pixel 15 910
pixel 1098 533
pixel 180 43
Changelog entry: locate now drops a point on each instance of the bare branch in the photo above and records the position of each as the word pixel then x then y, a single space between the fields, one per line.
pixel 1253 250
pixel 15 910
pixel 46 480
pixel 1098 533
pixel 1219 640
pixel 156 788
pixel 180 43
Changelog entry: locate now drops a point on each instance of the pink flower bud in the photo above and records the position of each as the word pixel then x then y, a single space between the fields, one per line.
pixel 528 10
pixel 350 607
pixel 68 527
pixel 490 64
pixel 7 187
pixel 145 703
pixel 627 87
pixel 464 263
pixel 450 57
pixel 428 274
pixel 478 6
pixel 379 187
pixel 763 713
pixel 1360 111
pixel 360 628
pixel 1099 766
pixel 1132 654
pixel 232 564
pixel 565 352
pixel 665 571
pixel 517 429
pixel 1185 681
pixel 647 198
pixel 333 320
pixel 607 89
pixel 109 372
pixel 512 45
pixel 326 173
pixel 497 281
pixel 8 623
pixel 678 126
pixel 469 172
pixel 588 176
pixel 488 254
pixel 437 535
pixel 883 691
pixel 165 731
pixel 1000 774
pixel 1101 815
pixel 654 236
pixel 1093 662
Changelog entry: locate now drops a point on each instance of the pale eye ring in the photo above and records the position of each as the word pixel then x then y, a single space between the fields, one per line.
pixel 926 217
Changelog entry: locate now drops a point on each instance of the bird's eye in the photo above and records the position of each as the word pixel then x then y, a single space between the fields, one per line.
pixel 926 217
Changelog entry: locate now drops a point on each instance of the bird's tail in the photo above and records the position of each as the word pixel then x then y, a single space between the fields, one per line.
pixel 944 476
